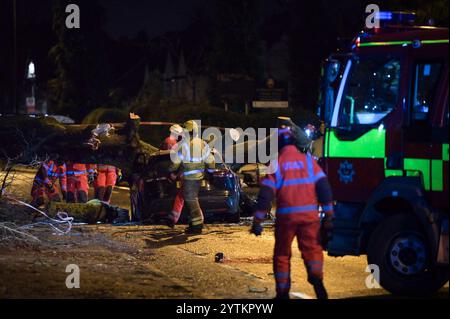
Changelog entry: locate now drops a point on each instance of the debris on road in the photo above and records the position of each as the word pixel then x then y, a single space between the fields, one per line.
pixel 219 257
pixel 10 232
pixel 258 290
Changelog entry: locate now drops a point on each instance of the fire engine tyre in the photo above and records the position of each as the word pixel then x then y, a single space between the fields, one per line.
pixel 402 254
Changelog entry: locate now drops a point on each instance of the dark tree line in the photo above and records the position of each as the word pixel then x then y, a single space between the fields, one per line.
pixel 82 74
pixel 84 69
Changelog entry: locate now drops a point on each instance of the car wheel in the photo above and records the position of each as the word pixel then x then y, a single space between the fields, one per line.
pixel 401 251
pixel 233 218
pixel 136 201
pixel 247 205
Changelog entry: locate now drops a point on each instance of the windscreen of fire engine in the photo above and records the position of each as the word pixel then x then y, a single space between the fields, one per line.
pixel 371 91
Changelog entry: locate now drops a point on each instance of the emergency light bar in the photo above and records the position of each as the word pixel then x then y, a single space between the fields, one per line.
pixel 396 18
pixel 391 21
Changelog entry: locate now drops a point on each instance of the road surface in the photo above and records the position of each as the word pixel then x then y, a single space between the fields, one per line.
pixel 157 262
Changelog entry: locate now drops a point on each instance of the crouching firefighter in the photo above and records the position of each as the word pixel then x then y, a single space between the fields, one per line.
pixel 45 182
pixel 189 160
pixel 298 185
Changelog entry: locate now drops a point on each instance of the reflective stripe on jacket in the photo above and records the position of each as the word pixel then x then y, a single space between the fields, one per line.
pixel 192 159
pixel 75 169
pixel 294 182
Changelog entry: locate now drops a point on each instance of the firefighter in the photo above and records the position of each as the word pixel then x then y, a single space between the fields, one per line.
pixel 45 182
pixel 106 177
pixel 190 159
pixel 298 185
pixel 78 176
pixel 176 132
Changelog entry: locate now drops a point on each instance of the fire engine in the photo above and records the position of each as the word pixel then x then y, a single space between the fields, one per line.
pixel 385 151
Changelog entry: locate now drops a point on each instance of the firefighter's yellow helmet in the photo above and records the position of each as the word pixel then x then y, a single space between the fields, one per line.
pixel 191 126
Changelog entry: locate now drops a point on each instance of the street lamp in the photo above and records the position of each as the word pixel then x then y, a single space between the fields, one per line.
pixel 31 74
pixel 31 77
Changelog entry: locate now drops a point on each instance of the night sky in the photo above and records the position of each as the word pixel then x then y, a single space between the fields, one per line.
pixel 156 17
pixel 126 18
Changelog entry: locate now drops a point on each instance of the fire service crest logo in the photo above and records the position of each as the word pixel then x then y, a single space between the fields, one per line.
pixel 346 172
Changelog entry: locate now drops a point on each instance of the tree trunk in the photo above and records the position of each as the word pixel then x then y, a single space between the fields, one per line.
pixel 26 139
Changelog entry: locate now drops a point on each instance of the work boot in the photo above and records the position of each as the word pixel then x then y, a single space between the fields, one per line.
pixel 194 229
pixel 168 222
pixel 319 288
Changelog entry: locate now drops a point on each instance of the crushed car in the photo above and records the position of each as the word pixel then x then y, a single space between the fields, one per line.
pixel 152 192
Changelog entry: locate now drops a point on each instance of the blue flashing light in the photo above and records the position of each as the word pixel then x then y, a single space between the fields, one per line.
pixel 384 15
pixel 393 17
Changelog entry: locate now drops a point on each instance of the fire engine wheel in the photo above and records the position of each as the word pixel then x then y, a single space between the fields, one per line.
pixel 400 250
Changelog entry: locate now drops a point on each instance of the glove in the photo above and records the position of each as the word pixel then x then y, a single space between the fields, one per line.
pixel 326 231
pixel 256 229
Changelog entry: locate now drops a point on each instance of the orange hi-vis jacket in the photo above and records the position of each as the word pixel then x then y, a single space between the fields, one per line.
pixel 77 176
pixel 168 143
pixel 49 173
pixel 293 182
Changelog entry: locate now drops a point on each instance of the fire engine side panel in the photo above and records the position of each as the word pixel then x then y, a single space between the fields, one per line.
pixel 355 179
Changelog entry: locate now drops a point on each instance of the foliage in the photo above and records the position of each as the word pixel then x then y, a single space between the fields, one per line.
pixel 237 45
pixel 81 70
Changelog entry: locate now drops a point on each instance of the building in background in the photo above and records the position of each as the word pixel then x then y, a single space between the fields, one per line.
pixel 182 84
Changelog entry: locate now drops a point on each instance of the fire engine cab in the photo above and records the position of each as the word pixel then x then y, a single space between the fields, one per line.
pixel 385 151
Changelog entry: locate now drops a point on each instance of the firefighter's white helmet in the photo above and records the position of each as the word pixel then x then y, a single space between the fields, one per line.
pixel 176 129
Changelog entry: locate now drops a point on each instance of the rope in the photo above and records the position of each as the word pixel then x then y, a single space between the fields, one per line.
pixel 61 218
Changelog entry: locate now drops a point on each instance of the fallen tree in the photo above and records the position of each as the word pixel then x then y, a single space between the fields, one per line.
pixel 26 139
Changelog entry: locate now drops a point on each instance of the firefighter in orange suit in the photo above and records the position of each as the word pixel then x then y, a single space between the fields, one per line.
pixel 176 134
pixel 45 183
pixel 299 186
pixel 78 176
pixel 107 176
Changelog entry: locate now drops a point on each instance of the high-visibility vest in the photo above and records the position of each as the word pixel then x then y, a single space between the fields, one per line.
pixel 192 159
pixel 293 180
